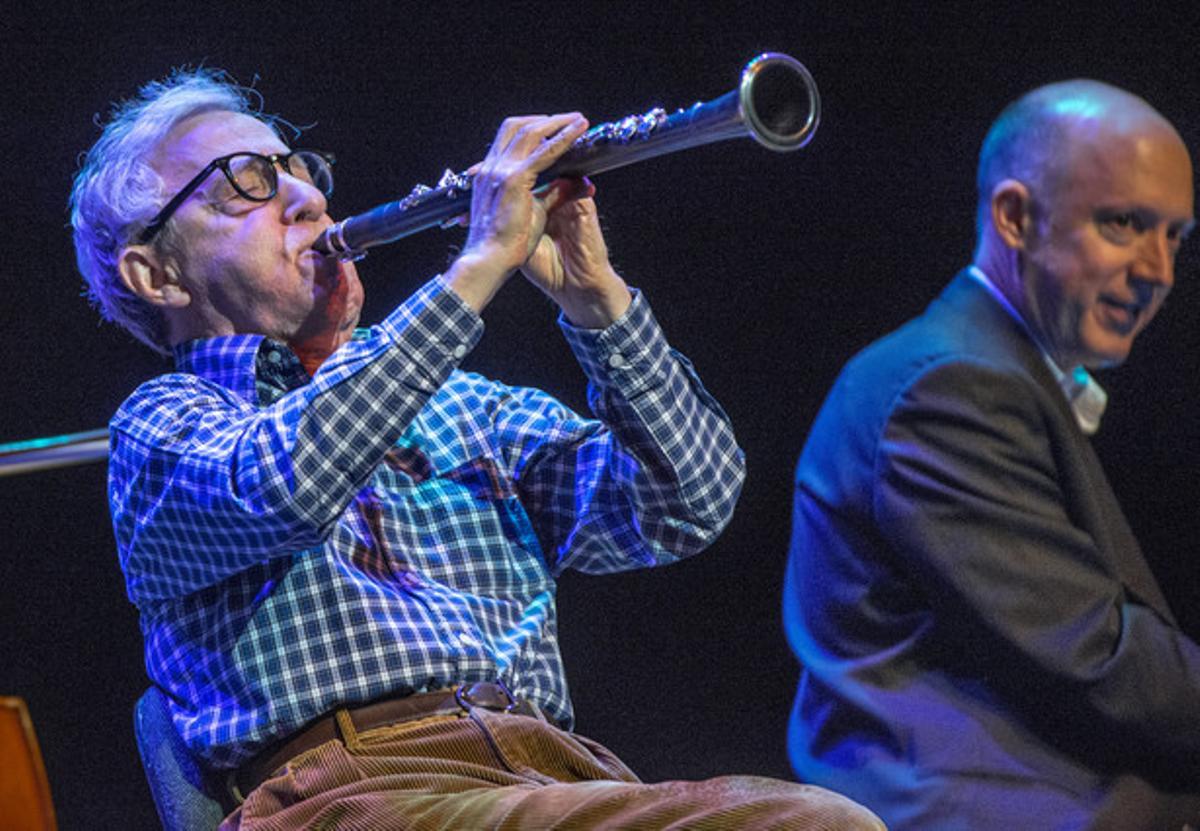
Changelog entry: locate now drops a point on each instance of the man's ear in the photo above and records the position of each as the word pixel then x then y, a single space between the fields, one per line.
pixel 1011 213
pixel 147 274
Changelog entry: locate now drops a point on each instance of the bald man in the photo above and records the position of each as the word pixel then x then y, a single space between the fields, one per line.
pixel 983 643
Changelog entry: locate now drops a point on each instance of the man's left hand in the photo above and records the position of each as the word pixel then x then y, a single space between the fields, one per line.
pixel 570 262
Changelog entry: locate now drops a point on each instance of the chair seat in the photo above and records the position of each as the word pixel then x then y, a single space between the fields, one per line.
pixel 178 783
pixel 25 802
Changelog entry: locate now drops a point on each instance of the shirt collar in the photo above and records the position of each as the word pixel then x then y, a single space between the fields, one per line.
pixel 256 368
pixel 1085 395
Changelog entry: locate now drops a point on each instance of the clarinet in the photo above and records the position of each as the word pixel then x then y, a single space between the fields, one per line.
pixel 776 103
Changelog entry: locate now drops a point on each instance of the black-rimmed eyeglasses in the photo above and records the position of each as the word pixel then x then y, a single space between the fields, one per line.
pixel 253 176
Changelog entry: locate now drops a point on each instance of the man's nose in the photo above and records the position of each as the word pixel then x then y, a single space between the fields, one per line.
pixel 301 200
pixel 1156 259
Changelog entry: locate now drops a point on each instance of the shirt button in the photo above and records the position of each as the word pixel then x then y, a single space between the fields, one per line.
pixel 459 351
pixel 274 357
pixel 616 360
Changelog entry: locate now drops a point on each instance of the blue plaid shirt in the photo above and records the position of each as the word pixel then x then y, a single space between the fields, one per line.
pixel 394 524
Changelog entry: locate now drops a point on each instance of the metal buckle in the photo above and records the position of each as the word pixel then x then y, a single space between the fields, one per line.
pixel 484 694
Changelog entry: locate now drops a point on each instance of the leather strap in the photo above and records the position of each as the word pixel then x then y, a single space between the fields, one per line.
pixel 383 713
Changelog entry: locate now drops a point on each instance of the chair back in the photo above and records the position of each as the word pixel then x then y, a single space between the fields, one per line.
pixel 25 801
pixel 180 787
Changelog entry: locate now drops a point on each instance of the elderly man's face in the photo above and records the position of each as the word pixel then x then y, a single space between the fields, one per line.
pixel 1100 257
pixel 249 266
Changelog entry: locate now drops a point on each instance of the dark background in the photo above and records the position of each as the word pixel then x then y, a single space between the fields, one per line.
pixel 768 270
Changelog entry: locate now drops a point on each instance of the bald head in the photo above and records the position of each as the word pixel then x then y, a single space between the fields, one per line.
pixel 1085 195
pixel 1035 138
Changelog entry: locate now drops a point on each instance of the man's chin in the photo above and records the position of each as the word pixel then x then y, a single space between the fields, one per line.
pixel 1107 354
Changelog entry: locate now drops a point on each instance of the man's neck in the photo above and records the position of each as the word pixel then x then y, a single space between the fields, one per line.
pixel 1086 397
pixel 314 351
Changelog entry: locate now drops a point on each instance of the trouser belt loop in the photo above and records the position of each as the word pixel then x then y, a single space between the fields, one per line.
pixel 346 728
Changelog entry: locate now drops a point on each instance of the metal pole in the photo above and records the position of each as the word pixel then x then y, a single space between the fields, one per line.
pixel 54 451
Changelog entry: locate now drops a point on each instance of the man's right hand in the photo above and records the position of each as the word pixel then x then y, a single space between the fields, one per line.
pixel 507 220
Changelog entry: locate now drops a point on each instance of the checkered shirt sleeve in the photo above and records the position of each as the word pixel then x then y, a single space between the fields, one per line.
pixel 203 483
pixel 657 482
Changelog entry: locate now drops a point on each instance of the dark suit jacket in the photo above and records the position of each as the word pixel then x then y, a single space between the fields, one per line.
pixel 983 643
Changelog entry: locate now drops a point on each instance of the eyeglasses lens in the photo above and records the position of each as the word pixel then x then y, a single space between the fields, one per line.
pixel 312 168
pixel 255 176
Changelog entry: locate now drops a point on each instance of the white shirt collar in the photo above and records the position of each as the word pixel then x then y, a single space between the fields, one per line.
pixel 1086 397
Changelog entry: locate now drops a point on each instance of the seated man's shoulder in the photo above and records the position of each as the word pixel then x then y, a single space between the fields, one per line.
pixel 173 392
pixel 922 367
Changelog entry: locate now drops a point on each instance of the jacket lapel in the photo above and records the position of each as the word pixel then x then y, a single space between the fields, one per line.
pixel 1092 504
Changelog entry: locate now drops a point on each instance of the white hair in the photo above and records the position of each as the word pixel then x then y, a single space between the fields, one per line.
pixel 116 192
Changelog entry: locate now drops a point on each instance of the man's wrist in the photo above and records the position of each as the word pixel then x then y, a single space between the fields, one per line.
pixel 598 309
pixel 476 277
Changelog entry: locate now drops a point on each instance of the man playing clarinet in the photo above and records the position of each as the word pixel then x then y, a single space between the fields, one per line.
pixel 342 547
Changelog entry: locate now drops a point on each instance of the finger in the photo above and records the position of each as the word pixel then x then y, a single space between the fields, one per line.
pixel 536 131
pixel 556 144
pixel 509 128
pixel 557 192
pixel 566 189
pixel 582 188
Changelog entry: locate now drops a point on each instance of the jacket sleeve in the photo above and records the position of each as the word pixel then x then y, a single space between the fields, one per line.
pixel 971 493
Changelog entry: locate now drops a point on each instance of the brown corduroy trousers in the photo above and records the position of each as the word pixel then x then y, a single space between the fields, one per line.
pixel 488 770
